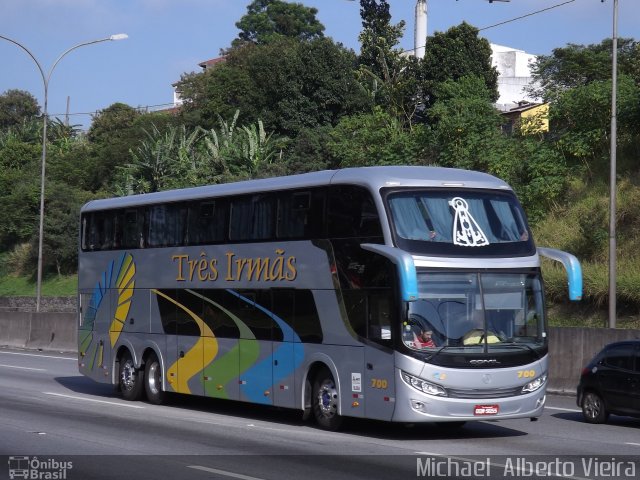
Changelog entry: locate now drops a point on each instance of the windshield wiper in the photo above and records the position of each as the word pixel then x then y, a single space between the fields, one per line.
pixel 518 344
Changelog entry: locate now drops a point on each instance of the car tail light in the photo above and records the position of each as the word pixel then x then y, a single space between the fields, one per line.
pixel 585 371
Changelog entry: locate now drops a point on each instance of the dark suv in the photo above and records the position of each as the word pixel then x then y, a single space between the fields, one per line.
pixel 610 383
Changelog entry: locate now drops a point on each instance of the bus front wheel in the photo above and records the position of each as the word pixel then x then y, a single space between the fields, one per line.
pixel 153 380
pixel 130 378
pixel 325 401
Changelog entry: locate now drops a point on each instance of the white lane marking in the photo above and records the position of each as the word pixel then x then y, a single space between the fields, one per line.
pixel 223 472
pixel 634 444
pixel 92 400
pixel 41 356
pixel 563 409
pixel 23 368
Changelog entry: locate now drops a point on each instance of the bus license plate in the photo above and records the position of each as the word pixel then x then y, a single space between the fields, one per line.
pixel 486 410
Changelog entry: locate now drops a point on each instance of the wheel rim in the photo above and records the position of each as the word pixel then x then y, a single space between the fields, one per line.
pixel 128 376
pixel 592 406
pixel 154 378
pixel 328 399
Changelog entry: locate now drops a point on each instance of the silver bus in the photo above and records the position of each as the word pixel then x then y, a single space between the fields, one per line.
pixel 404 294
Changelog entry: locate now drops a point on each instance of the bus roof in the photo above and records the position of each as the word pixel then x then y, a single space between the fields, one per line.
pixel 373 178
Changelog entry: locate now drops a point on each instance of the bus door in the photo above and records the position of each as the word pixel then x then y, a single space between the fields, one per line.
pixel 379 384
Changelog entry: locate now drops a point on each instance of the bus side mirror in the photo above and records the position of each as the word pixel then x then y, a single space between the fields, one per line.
pixel 405 267
pixel 571 265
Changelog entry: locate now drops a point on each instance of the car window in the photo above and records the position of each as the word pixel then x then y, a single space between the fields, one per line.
pixel 620 356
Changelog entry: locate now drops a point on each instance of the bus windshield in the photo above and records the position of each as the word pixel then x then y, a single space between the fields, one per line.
pixel 456 221
pixel 476 312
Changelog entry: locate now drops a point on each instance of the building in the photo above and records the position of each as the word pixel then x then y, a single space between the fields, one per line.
pixel 514 74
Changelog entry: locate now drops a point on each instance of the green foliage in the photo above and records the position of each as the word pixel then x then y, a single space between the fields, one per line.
pixel 376 139
pixel 378 37
pixel 179 158
pixel 61 227
pixel 56 286
pixel 112 136
pixel 582 116
pixel 581 226
pixel 579 65
pixel 309 151
pixel 18 260
pixel 454 54
pixel 289 85
pixel 16 108
pixel 269 20
pixel 466 126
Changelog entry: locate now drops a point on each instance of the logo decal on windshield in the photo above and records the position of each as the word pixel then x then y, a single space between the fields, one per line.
pixel 466 231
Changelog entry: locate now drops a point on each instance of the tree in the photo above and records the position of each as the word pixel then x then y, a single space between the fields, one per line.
pixel 288 84
pixel 270 20
pixel 112 136
pixel 378 37
pixel 578 65
pixel 17 107
pixel 392 79
pixel 454 54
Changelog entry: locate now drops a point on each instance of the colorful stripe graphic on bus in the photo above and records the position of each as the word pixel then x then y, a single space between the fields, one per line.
pixel 261 375
pixel 119 276
pixel 203 352
pixel 239 364
pixel 227 367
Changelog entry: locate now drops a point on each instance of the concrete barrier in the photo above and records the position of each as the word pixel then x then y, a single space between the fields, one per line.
pixel 15 328
pixel 44 331
pixel 571 348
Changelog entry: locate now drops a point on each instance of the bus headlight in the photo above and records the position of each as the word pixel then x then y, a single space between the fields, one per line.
pixel 424 386
pixel 534 385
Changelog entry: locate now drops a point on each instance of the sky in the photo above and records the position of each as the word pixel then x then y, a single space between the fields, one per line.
pixel 168 38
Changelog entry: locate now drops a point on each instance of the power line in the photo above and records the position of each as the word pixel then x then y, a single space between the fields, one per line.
pixel 502 23
pixel 527 15
pixel 139 108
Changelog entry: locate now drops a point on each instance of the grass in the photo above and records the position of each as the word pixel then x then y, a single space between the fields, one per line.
pixel 55 286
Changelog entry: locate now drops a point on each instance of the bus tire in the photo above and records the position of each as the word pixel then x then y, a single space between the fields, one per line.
pixel 130 378
pixel 325 401
pixel 153 380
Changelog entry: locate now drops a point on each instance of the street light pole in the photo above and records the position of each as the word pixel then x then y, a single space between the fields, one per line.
pixel 45 81
pixel 612 186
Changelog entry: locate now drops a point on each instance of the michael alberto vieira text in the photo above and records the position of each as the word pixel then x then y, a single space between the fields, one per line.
pixel 521 467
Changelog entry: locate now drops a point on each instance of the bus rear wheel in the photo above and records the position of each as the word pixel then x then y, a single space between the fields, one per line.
pixel 153 380
pixel 129 378
pixel 325 401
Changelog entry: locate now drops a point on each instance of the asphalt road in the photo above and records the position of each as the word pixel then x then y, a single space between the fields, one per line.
pixel 49 411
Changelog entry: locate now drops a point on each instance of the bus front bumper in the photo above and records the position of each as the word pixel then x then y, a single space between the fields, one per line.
pixel 414 406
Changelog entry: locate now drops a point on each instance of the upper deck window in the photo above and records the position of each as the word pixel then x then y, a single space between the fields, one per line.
pixel 459 222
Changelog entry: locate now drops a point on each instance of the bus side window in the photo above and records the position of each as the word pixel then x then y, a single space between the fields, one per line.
pixel 167 225
pixel 300 214
pixel 252 218
pixel 207 222
pixel 352 213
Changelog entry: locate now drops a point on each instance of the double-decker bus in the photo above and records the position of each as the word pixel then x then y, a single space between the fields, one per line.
pixel 405 294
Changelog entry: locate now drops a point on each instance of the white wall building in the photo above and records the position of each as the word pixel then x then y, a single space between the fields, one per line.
pixel 514 69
